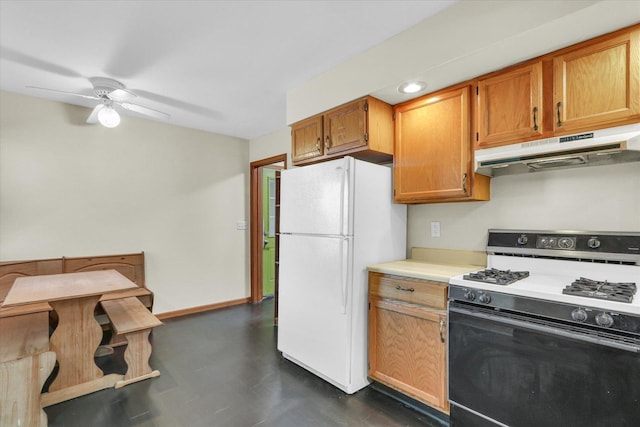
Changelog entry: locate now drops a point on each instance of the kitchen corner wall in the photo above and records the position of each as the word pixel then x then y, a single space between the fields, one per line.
pixel 72 189
pixel 599 198
pixel 270 145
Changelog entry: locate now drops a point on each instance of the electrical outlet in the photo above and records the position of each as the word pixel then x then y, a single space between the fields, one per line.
pixel 435 229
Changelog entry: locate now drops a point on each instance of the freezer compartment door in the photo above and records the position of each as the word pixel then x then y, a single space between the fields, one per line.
pixel 314 319
pixel 316 199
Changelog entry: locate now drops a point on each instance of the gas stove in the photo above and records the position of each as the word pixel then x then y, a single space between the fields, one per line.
pixel 586 278
pixel 552 310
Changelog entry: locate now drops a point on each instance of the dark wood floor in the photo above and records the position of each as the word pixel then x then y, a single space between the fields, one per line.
pixel 221 368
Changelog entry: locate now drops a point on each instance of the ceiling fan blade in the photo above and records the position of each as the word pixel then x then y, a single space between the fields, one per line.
pixel 121 95
pixel 144 110
pixel 93 117
pixel 63 92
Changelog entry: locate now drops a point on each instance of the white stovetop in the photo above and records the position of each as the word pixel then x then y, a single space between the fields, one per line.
pixel 547 278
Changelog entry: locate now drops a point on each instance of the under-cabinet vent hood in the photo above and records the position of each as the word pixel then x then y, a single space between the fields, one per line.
pixel 601 147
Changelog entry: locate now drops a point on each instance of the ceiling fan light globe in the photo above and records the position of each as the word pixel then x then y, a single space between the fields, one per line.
pixel 108 117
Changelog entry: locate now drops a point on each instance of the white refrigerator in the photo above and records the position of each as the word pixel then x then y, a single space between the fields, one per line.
pixel 336 218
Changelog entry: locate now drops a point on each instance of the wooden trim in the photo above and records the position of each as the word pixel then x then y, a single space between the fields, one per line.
pixel 255 222
pixel 202 308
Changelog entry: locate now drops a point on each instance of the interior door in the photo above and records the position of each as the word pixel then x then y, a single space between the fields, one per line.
pixel 268 231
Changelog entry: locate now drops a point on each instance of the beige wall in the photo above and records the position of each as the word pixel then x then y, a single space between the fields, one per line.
pixel 270 145
pixel 72 189
pixel 599 198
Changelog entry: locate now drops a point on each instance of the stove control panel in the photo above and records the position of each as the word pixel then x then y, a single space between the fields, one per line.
pixel 559 311
pixel 579 245
pixel 555 242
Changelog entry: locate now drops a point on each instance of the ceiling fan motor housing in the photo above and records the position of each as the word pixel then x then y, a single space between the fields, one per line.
pixel 103 86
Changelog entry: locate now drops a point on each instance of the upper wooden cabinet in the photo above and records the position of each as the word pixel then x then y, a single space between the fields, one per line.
pixel 345 127
pixel 509 107
pixel 433 151
pixel 597 83
pixel 306 139
pixel 585 87
pixel 362 128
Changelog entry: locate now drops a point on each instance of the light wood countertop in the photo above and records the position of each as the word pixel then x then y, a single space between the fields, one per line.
pixel 437 265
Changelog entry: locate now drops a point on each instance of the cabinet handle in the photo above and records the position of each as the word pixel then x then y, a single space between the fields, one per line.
pixel 535 118
pixel 464 183
pixel 318 145
pixel 399 288
pixel 441 330
pixel 326 143
pixel 558 106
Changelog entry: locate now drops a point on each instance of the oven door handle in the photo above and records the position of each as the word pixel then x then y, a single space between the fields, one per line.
pixel 550 330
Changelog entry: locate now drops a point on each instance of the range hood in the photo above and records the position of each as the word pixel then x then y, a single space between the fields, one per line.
pixel 606 146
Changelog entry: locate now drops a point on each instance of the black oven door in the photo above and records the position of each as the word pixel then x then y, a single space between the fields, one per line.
pixel 506 369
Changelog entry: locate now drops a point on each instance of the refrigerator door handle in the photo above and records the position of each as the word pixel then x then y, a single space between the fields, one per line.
pixel 343 190
pixel 344 263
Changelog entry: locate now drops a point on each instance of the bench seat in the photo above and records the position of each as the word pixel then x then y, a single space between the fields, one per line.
pixel 129 317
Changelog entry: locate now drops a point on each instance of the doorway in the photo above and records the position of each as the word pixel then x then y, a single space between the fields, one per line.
pixel 265 193
pixel 268 231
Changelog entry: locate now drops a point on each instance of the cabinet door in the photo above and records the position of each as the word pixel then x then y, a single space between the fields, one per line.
pixel 510 106
pixel 407 350
pixel 433 151
pixel 345 127
pixel 306 139
pixel 597 85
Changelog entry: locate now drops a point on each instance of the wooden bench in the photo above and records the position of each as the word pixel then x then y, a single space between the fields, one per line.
pixel 25 363
pixel 20 383
pixel 129 317
pixel 129 265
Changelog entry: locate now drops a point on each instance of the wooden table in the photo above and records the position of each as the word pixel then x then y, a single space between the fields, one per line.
pixel 73 296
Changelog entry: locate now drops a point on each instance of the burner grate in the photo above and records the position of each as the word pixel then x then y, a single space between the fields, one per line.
pixel 496 277
pixel 622 292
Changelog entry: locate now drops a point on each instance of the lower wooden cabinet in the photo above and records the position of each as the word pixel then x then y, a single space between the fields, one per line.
pixel 407 339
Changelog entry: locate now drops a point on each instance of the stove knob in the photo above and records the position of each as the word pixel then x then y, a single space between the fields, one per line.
pixel 579 315
pixel 470 295
pixel 522 240
pixel 604 319
pixel 593 243
pixel 484 298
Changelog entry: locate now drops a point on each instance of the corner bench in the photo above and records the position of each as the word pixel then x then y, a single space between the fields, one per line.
pixel 129 317
pixel 25 363
pixel 129 265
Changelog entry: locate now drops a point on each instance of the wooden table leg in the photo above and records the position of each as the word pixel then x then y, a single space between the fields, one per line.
pixel 75 341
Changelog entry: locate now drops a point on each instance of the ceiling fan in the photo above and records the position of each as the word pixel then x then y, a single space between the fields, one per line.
pixel 110 92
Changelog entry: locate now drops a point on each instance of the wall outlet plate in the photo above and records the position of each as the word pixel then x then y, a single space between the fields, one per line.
pixel 435 229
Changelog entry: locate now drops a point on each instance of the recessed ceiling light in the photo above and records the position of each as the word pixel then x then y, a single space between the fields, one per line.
pixel 411 87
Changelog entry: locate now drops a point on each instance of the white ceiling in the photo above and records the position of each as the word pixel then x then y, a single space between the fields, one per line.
pixel 218 66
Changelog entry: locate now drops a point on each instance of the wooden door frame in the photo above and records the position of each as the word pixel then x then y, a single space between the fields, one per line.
pixel 255 221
